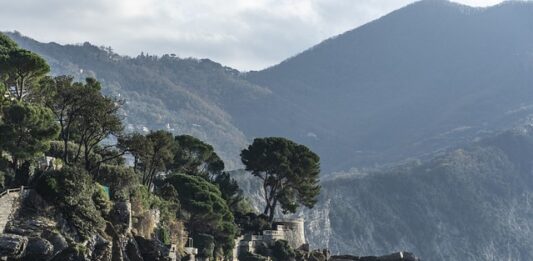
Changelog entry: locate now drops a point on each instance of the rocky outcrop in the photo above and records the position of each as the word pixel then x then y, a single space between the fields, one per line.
pixel 38 249
pixel 400 256
pixel 12 245
pixel 121 217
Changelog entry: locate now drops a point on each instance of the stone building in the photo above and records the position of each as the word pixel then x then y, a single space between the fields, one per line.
pixel 291 230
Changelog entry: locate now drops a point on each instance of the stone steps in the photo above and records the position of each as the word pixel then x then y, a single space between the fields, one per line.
pixel 7 203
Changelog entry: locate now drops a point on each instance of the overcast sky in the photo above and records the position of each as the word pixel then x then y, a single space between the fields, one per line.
pixel 244 34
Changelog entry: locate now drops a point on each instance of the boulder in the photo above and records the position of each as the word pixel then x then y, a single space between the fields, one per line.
pixel 57 240
pixel 103 250
pixel 38 249
pixel 152 249
pixel 12 245
pixel 121 217
pixel 132 250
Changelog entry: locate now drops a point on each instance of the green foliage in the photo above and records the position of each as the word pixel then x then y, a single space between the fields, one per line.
pixel 230 192
pixel 142 197
pixel 85 116
pixel 205 243
pixel 164 235
pixel 207 210
pixel 195 157
pixel 98 120
pixel 57 149
pixel 150 153
pixel 121 180
pixel 252 223
pixel 78 197
pixel 6 44
pixel 26 131
pixel 101 200
pixel 289 171
pixel 281 251
pixel 21 70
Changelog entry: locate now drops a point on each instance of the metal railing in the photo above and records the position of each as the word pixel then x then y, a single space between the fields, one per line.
pixel 7 191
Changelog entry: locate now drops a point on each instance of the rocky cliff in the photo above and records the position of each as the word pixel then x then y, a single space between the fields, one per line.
pixel 39 231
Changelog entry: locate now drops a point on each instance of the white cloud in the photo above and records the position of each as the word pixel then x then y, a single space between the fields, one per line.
pixel 245 34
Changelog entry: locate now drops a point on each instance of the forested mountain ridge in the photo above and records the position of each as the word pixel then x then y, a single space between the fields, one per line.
pixel 185 96
pixel 428 76
pixel 471 203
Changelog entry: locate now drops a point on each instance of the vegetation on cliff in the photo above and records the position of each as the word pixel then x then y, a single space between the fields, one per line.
pixel 141 193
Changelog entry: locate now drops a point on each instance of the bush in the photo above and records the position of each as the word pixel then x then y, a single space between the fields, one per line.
pixel 205 244
pixel 73 192
pixel 207 211
pixel 101 200
pixel 121 181
pixel 281 251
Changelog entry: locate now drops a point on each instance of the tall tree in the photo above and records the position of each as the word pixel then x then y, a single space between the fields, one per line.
pixel 98 119
pixel 26 131
pixel 230 190
pixel 67 100
pixel 194 157
pixel 207 211
pixel 150 153
pixel 21 70
pixel 289 172
pixel 6 44
pixel 4 98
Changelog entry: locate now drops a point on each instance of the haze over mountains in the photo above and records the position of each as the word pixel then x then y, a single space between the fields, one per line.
pixel 426 78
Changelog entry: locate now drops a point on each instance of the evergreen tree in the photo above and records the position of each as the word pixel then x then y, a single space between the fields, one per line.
pixel 26 131
pixel 289 172
pixel 194 157
pixel 150 153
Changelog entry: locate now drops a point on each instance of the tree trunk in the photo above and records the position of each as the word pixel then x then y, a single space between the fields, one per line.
pixel 272 211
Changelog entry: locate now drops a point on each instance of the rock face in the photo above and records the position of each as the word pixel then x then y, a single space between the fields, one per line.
pixel 38 232
pixel 12 245
pixel 38 249
pixel 121 217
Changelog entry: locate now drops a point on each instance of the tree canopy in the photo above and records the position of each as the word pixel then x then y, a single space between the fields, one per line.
pixel 208 211
pixel 289 172
pixel 151 153
pixel 21 70
pixel 194 157
pixel 26 131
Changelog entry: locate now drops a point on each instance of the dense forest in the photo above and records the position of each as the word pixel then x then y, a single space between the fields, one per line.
pixel 66 141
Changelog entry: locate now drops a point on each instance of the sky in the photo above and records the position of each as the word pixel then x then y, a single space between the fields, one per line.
pixel 243 34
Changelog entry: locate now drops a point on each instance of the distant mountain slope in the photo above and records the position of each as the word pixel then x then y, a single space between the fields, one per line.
pixel 428 76
pixel 468 204
pixel 190 96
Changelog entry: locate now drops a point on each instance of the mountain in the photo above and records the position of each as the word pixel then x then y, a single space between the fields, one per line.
pixel 472 203
pixel 185 96
pixel 426 77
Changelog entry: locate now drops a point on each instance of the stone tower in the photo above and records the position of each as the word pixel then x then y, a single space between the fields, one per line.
pixel 294 231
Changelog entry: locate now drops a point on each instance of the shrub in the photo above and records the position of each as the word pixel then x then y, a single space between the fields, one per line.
pixel 73 192
pixel 281 251
pixel 121 181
